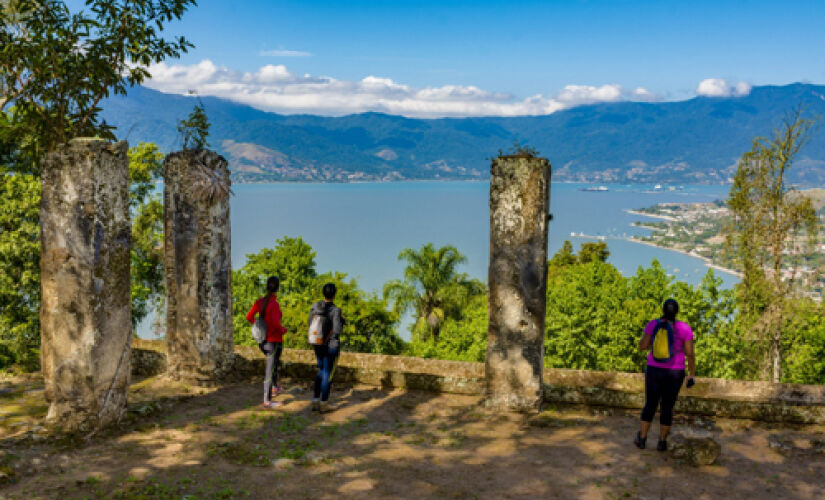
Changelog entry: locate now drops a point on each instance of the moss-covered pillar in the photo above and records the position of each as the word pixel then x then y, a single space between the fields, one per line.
pixel 85 312
pixel 519 204
pixel 198 266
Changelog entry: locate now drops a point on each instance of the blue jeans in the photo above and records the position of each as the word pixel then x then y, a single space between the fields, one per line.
pixel 326 361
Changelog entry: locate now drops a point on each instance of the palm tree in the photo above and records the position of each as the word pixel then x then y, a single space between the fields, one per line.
pixel 432 286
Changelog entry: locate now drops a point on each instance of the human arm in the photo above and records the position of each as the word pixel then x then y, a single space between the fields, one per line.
pixel 690 355
pixel 337 322
pixel 644 342
pixel 250 316
pixel 647 336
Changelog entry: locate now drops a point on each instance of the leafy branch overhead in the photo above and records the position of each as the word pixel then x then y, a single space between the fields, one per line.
pixel 56 66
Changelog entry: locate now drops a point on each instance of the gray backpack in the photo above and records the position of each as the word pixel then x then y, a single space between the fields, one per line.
pixel 259 327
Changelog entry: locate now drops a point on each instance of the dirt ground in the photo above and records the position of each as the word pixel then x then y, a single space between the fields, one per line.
pixel 184 442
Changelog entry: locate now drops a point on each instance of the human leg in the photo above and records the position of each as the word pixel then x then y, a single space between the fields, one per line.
pixel 279 349
pixel 326 375
pixel 653 393
pixel 670 392
pixel 320 354
pixel 269 351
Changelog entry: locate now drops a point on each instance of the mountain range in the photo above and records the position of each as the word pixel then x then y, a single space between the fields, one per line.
pixel 693 141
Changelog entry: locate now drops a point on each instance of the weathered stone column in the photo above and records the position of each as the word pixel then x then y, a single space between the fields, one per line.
pixel 85 313
pixel 198 266
pixel 519 204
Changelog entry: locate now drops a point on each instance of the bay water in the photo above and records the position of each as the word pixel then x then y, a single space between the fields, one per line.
pixel 359 229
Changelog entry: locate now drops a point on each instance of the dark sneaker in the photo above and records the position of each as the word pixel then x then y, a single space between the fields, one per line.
pixel 327 406
pixel 640 442
pixel 662 446
pixel 316 405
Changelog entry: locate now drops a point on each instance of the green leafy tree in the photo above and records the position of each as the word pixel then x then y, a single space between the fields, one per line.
pixel 564 257
pixel 147 275
pixel 369 325
pixel 460 339
pixel 804 362
pixel 56 66
pixel 194 129
pixel 595 317
pixel 582 302
pixel 432 286
pixel 145 169
pixel 19 269
pixel 593 251
pixel 768 219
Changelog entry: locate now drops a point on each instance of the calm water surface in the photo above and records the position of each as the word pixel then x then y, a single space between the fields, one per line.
pixel 359 229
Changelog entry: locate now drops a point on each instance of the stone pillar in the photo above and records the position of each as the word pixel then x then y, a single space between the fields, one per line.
pixel 519 205
pixel 85 313
pixel 198 266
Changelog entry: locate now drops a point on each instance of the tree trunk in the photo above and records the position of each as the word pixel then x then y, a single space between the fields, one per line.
pixel 776 357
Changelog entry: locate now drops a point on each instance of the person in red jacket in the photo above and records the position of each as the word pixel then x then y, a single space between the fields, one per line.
pixel 274 345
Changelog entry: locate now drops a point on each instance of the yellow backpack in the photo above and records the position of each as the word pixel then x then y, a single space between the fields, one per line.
pixel 663 341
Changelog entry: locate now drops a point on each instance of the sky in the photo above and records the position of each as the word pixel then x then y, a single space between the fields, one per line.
pixel 475 58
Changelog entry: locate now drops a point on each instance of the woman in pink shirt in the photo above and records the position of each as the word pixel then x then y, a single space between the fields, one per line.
pixel 663 379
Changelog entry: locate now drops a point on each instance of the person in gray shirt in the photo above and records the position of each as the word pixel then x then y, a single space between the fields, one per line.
pixel 327 352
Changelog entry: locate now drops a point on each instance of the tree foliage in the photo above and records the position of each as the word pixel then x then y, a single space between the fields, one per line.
pixel 769 222
pixel 369 325
pixel 147 275
pixel 595 316
pixel 194 129
pixel 461 339
pixel 432 287
pixel 56 66
pixel 19 269
pixel 147 271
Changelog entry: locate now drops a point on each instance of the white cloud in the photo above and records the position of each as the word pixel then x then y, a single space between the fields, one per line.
pixel 719 87
pixel 275 88
pixel 284 53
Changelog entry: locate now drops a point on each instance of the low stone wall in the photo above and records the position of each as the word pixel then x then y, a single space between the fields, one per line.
pixel 790 403
pixel 717 397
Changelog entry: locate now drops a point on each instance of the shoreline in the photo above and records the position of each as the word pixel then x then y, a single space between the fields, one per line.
pixel 652 216
pixel 474 179
pixel 709 263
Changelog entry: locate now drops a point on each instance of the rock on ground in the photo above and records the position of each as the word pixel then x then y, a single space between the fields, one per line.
pixel 695 448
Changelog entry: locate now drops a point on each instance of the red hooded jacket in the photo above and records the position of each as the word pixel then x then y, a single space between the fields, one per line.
pixel 274 330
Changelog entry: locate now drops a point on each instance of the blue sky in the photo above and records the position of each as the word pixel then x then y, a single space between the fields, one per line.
pixel 486 57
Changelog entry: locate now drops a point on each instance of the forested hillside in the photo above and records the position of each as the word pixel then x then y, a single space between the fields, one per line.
pixel 692 141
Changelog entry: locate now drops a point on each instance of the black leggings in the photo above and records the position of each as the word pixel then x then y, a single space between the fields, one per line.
pixel 661 384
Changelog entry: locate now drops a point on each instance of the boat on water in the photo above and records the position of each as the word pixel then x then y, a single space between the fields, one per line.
pixel 599 189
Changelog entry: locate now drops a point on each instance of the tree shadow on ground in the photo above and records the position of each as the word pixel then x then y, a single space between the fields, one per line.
pixel 386 443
